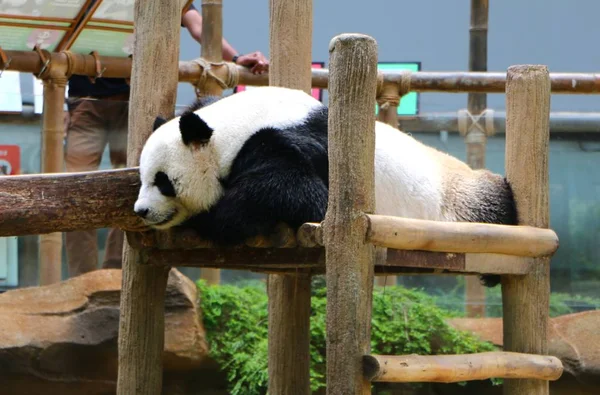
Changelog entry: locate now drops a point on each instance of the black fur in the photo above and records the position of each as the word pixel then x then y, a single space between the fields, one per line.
pixel 278 176
pixel 282 176
pixel 158 122
pixel 498 208
pixel 193 129
pixel 164 184
pixel 202 102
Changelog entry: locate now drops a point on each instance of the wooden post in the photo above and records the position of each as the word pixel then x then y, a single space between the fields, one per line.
pixel 153 92
pixel 289 295
pixel 53 130
pixel 212 51
pixel 475 138
pixel 526 298
pixel 349 258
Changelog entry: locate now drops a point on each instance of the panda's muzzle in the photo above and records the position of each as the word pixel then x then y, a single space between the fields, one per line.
pixel 151 219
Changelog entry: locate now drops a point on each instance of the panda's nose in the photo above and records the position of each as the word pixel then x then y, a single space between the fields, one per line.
pixel 142 212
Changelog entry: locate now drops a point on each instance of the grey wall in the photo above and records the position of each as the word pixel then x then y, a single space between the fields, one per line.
pixel 560 34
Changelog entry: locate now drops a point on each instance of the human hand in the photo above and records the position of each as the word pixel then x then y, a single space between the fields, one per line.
pixel 255 61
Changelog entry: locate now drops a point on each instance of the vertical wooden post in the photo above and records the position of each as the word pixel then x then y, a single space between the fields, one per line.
pixel 349 260
pixel 526 298
pixel 153 92
pixel 289 295
pixel 475 138
pixel 53 129
pixel 388 101
pixel 211 50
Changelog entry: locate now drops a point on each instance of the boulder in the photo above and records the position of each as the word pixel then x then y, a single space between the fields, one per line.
pixel 573 338
pixel 62 338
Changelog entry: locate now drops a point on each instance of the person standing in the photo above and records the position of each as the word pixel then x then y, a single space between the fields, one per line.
pixel 98 112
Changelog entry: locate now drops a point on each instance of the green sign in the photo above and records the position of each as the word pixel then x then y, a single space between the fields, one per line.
pixel 409 104
pixel 18 38
pixel 106 42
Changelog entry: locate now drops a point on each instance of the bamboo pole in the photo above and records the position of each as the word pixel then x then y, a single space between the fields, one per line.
pixel 53 129
pixel 388 100
pixel 141 324
pixel 417 81
pixel 290 47
pixel 349 260
pixel 526 298
pixel 212 51
pixel 475 138
pixel 424 235
pixel 560 122
pixel 457 368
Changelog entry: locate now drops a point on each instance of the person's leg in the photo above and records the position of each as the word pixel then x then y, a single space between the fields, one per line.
pixel 117 142
pixel 85 141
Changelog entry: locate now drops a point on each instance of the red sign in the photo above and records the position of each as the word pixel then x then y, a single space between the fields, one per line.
pixel 10 160
pixel 316 92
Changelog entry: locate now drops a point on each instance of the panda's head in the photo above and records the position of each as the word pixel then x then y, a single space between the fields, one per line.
pixel 179 171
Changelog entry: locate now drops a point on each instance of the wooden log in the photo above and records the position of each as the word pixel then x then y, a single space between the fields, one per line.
pixel 526 299
pixel 211 50
pixel 349 259
pixel 475 138
pixel 44 203
pixel 415 234
pixel 457 368
pixel 153 93
pixel 290 47
pixel 53 129
pixel 418 81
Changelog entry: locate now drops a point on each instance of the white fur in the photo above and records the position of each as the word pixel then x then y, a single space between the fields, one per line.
pixel 408 174
pixel 408 178
pixel 234 120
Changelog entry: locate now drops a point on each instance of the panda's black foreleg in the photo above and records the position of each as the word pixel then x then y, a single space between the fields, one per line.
pixel 256 202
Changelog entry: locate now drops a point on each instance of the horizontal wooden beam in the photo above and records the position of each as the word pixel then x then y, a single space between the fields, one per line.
pixel 45 203
pixel 457 368
pixel 284 252
pixel 468 237
pixel 62 202
pixel 191 71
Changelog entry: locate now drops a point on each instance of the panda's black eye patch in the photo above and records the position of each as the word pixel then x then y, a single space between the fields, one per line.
pixel 164 184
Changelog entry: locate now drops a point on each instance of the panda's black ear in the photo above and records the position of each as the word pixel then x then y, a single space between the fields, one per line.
pixel 193 129
pixel 158 122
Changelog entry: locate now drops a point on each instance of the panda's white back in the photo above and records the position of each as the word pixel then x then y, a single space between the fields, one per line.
pixel 408 179
pixel 239 116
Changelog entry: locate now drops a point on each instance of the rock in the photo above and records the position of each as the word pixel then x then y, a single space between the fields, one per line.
pixel 62 338
pixel 573 338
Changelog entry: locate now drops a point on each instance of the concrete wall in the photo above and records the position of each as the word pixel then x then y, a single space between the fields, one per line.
pixel 560 34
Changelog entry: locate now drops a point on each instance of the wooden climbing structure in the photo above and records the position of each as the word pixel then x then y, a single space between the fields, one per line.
pixel 351 246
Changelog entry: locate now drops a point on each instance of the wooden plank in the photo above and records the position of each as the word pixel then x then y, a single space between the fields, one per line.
pixel 153 93
pixel 526 298
pixel 349 259
pixel 286 260
pixel 458 368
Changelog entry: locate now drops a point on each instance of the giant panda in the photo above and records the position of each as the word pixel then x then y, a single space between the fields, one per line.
pixel 235 167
